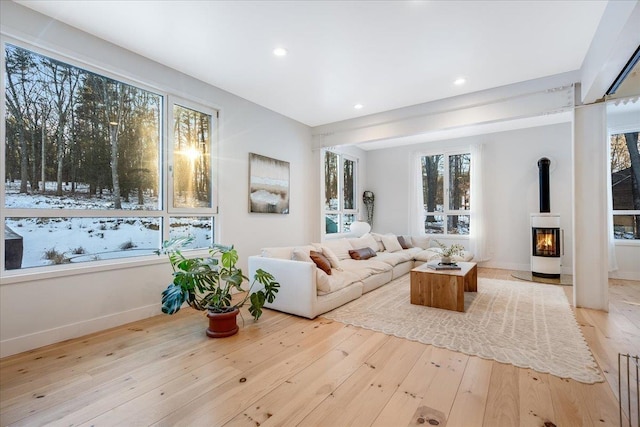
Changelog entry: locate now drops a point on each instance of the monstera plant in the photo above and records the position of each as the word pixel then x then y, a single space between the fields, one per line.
pixel 208 283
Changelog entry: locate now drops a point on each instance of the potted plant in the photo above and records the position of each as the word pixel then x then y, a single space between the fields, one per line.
pixel 207 283
pixel 448 252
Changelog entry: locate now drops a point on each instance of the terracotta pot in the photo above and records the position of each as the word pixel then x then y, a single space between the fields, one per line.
pixel 222 324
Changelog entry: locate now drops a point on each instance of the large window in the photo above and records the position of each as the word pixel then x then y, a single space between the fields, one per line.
pixel 446 193
pixel 340 189
pixel 625 185
pixel 84 176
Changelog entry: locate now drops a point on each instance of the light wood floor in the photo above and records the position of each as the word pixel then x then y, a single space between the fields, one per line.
pixel 285 370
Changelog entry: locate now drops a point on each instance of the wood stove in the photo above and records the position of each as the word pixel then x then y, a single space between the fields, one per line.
pixel 546 243
pixel 546 235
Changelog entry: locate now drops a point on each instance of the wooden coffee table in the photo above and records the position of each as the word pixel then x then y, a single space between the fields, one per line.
pixel 443 288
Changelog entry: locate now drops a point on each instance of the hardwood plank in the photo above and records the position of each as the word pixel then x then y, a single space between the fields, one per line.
pixel 536 407
pixel 469 407
pixel 359 399
pixel 503 401
pixel 568 404
pixel 600 402
pixel 428 392
pixel 406 400
pixel 237 394
pixel 111 389
pixel 68 353
pixel 292 400
pixel 604 350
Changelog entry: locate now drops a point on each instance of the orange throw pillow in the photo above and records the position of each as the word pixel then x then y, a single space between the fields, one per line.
pixel 321 261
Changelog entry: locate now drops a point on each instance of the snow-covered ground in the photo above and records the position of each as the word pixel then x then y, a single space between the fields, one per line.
pixel 88 239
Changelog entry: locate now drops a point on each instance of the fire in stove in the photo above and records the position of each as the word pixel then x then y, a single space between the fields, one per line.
pixel 545 242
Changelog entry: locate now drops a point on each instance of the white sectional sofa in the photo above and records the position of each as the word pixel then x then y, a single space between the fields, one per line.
pixel 307 290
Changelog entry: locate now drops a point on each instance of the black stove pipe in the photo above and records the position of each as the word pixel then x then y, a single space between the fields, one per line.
pixel 543 173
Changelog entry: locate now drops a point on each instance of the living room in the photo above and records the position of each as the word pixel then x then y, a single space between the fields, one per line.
pixel 115 294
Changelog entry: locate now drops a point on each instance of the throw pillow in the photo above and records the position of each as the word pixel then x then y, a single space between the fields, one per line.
pixel 403 243
pixel 367 240
pixel 321 261
pixel 340 247
pixel 362 254
pixel 333 259
pixel 421 241
pixel 390 242
pixel 302 253
pixel 378 238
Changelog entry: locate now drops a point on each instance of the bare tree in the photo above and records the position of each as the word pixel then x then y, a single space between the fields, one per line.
pixel 431 191
pixel 63 81
pixel 634 157
pixel 18 67
pixel 114 95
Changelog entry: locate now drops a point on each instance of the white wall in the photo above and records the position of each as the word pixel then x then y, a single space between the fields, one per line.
pixel 511 187
pixel 42 309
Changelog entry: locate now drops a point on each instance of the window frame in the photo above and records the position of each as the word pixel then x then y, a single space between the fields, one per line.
pixel 621 212
pixel 341 211
pixel 162 211
pixel 446 193
pixel 170 162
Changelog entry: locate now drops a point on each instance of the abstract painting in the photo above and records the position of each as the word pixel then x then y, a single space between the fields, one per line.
pixel 268 185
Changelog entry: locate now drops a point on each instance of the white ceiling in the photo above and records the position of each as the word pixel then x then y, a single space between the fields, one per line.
pixel 383 54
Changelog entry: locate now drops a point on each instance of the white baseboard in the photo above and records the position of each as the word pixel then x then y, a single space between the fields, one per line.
pixel 505 265
pixel 625 275
pixel 16 345
pixel 517 266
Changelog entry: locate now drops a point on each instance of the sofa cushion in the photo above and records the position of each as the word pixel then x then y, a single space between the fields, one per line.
pixel 423 242
pixel 378 238
pixel 403 242
pixel 332 257
pixel 390 242
pixel 362 253
pixel 413 251
pixel 366 240
pixel 326 284
pixel 394 258
pixel 284 252
pixel 340 247
pixel 301 253
pixel 427 255
pixel 321 261
pixel 365 268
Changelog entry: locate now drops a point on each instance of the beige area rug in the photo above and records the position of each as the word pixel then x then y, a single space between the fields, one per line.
pixel 528 325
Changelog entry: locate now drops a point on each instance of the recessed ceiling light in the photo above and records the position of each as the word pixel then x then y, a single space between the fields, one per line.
pixel 358 106
pixel 280 51
pixel 459 81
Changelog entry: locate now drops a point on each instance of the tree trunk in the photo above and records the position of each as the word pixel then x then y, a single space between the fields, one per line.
pixel 634 156
pixel 43 158
pixel 24 160
pixel 60 160
pixel 117 203
pixel 431 187
pixel 34 165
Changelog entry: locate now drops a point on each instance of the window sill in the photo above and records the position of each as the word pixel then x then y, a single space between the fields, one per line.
pixel 48 272
pixel 627 243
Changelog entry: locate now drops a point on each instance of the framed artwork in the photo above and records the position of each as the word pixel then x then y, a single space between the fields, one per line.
pixel 268 185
